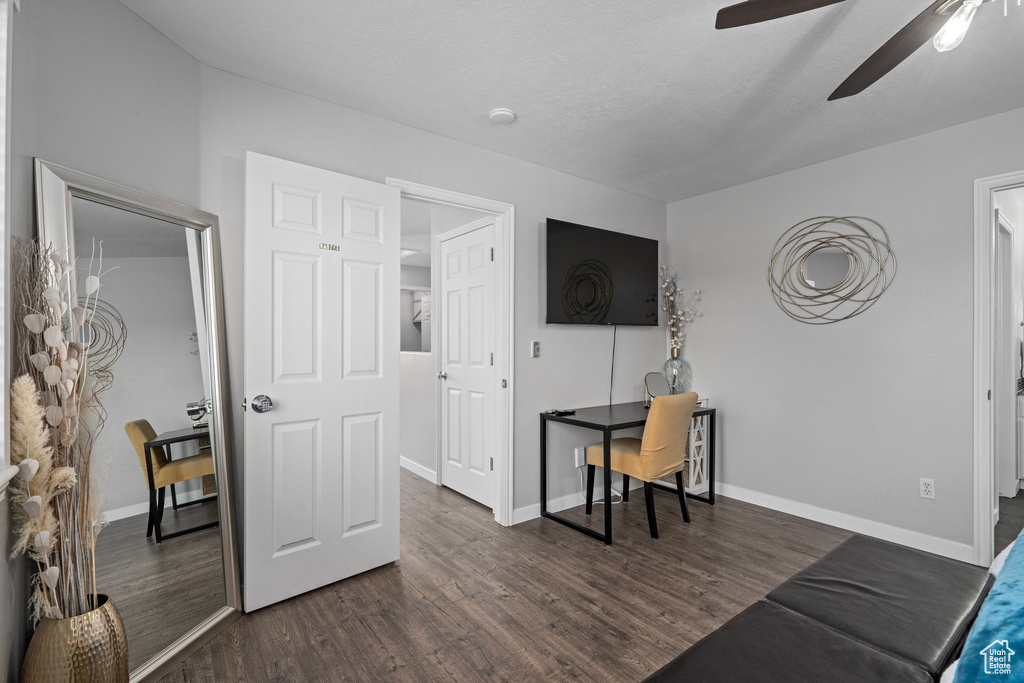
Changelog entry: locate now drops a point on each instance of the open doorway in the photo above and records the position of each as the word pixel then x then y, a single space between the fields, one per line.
pixel 998 358
pixel 456 359
pixel 1008 387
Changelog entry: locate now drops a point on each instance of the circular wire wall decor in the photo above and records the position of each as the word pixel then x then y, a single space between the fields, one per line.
pixel 872 267
pixel 587 292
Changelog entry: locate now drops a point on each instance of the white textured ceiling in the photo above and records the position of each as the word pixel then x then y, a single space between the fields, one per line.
pixel 642 95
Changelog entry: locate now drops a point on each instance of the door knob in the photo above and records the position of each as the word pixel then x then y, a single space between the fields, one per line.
pixel 442 375
pixel 262 404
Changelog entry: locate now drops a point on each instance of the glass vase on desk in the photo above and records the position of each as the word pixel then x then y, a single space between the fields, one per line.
pixel 678 373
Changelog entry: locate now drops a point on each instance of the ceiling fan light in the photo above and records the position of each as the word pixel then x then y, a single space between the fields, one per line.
pixel 952 34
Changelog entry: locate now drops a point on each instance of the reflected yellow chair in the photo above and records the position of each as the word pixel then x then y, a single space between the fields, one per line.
pixel 162 472
pixel 661 452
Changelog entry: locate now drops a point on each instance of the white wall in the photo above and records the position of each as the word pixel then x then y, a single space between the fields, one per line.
pixel 239 114
pixel 414 276
pixel 419 421
pixel 96 88
pixel 841 420
pixel 153 379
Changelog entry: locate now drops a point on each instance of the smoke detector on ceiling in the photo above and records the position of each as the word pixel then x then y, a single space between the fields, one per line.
pixel 503 115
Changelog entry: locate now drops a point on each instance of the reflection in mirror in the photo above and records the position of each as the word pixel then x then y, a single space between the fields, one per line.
pixel 162 318
pixel 152 298
pixel 825 268
pixel 415 324
pixel 655 384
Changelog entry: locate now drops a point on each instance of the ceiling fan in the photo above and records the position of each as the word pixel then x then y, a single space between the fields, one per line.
pixel 945 21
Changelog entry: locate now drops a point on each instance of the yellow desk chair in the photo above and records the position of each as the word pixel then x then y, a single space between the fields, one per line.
pixel 162 472
pixel 661 452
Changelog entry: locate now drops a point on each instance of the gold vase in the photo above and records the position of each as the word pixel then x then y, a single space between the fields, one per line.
pixel 90 647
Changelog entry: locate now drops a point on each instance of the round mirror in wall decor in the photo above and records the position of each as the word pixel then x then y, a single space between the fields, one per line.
pixel 831 268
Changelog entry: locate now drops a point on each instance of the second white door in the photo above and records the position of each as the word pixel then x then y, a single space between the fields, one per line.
pixel 466 359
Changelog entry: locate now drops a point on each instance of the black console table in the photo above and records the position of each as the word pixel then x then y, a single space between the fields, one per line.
pixel 608 419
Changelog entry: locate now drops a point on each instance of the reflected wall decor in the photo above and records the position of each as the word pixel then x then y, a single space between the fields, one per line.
pixel 830 268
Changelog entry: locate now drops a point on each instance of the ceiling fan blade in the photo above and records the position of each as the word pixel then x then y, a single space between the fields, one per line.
pixel 755 11
pixel 912 36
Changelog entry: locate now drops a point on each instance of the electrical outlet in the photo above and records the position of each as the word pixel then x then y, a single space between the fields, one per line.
pixel 928 488
pixel 581 456
pixel 535 349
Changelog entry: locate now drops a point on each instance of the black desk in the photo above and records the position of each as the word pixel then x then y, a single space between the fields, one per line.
pixel 607 419
pixel 156 504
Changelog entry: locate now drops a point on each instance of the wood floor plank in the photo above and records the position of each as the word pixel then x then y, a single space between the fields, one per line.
pixel 471 600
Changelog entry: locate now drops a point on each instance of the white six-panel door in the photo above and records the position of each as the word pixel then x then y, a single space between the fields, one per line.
pixel 467 359
pixel 322 341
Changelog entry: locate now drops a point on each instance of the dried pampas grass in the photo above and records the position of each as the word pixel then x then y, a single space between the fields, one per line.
pixel 63 479
pixel 30 439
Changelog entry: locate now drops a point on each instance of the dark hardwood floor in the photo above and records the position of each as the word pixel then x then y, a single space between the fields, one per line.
pixel 161 590
pixel 471 600
pixel 1011 520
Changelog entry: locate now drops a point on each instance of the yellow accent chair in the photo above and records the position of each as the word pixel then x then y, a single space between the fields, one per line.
pixel 162 472
pixel 661 452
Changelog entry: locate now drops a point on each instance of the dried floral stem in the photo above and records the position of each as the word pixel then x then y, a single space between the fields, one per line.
pixel 55 344
pixel 679 315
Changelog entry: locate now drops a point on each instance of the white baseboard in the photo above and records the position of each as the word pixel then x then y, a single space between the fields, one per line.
pixel 418 469
pixel 914 539
pixel 143 508
pixel 528 512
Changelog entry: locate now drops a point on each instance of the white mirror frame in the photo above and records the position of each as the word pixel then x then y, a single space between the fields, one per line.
pixel 55 187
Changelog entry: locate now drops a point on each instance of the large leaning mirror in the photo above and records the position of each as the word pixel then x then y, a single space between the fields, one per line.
pixel 167 556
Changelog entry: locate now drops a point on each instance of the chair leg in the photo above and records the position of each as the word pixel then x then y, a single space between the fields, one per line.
pixel 590 488
pixel 682 497
pixel 649 497
pixel 625 488
pixel 152 513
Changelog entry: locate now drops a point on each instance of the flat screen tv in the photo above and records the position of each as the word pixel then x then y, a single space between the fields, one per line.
pixel 600 277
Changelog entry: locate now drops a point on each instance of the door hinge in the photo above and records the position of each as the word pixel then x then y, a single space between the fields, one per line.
pixel 990 394
pixel 504 384
pixel 492 464
pixel 492 253
pixel 492 358
pixel 245 404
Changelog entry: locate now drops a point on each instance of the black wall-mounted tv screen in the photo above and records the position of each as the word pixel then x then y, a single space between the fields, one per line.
pixel 600 277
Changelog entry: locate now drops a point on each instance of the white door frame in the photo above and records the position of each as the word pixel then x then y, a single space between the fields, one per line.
pixel 984 305
pixel 504 328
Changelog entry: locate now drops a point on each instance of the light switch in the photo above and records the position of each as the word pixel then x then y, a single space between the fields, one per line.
pixel 535 349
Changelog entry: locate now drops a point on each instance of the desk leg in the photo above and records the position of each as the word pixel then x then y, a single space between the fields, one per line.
pixel 711 459
pixel 607 487
pixel 544 512
pixel 543 466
